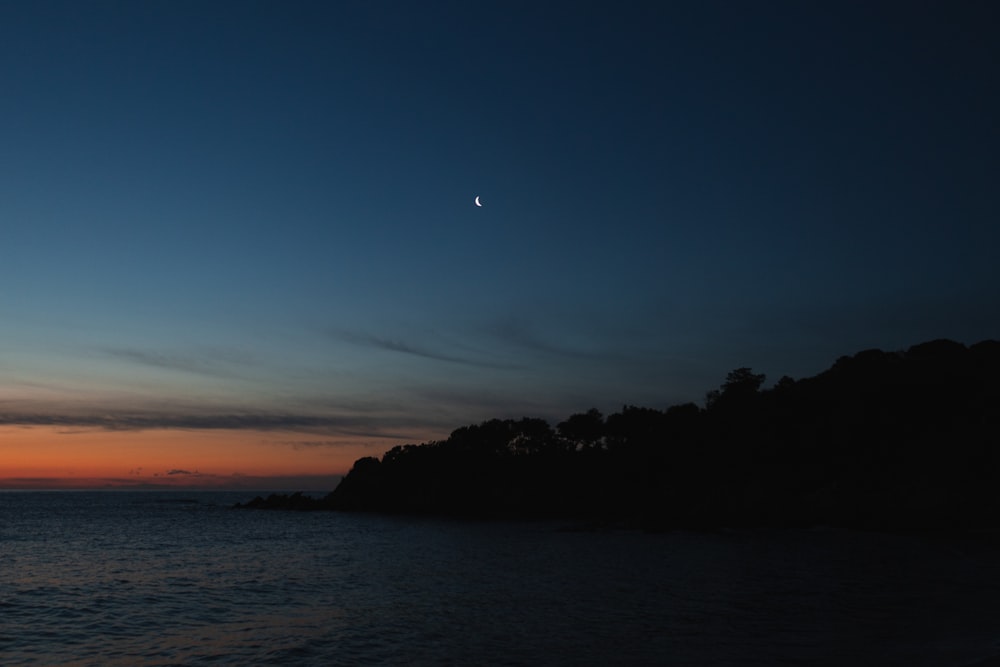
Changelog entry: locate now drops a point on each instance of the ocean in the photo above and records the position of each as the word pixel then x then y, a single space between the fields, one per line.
pixel 180 578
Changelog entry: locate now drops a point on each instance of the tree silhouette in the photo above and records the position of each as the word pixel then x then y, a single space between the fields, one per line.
pixel 584 430
pixel 737 392
pixel 881 440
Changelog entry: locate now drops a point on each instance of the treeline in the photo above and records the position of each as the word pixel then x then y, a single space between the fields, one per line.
pixel 882 440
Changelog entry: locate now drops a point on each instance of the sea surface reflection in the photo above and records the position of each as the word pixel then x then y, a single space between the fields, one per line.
pixel 150 578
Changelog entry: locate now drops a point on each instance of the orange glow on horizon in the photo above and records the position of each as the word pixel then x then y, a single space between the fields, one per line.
pixel 47 457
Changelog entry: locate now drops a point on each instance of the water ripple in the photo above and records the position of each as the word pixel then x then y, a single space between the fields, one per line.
pixel 140 579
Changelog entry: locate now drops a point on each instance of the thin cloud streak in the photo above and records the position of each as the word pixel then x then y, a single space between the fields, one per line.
pixel 403 347
pixel 214 363
pixel 514 333
pixel 369 426
pixel 334 444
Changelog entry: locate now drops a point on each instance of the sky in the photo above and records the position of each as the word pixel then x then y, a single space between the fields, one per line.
pixel 239 244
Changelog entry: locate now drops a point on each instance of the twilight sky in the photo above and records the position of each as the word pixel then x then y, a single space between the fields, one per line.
pixel 238 242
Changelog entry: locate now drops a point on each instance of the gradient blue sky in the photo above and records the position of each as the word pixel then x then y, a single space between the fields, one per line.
pixel 259 216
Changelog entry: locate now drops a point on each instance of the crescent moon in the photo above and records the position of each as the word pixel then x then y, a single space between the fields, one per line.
pixel 477 201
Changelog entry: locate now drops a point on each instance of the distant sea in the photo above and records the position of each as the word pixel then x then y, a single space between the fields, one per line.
pixel 169 578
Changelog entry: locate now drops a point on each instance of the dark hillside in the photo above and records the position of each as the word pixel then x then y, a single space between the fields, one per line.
pixel 881 440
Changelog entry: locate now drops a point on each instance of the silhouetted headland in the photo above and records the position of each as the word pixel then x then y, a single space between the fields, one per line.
pixel 881 440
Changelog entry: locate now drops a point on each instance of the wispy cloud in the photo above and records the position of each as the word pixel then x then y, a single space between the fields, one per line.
pixel 517 334
pixel 563 338
pixel 367 426
pixel 213 362
pixel 334 444
pixel 405 347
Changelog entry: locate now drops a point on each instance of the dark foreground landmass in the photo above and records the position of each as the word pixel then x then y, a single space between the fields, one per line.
pixel 882 440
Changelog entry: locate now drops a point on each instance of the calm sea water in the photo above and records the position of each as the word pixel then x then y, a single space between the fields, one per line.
pixel 151 578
